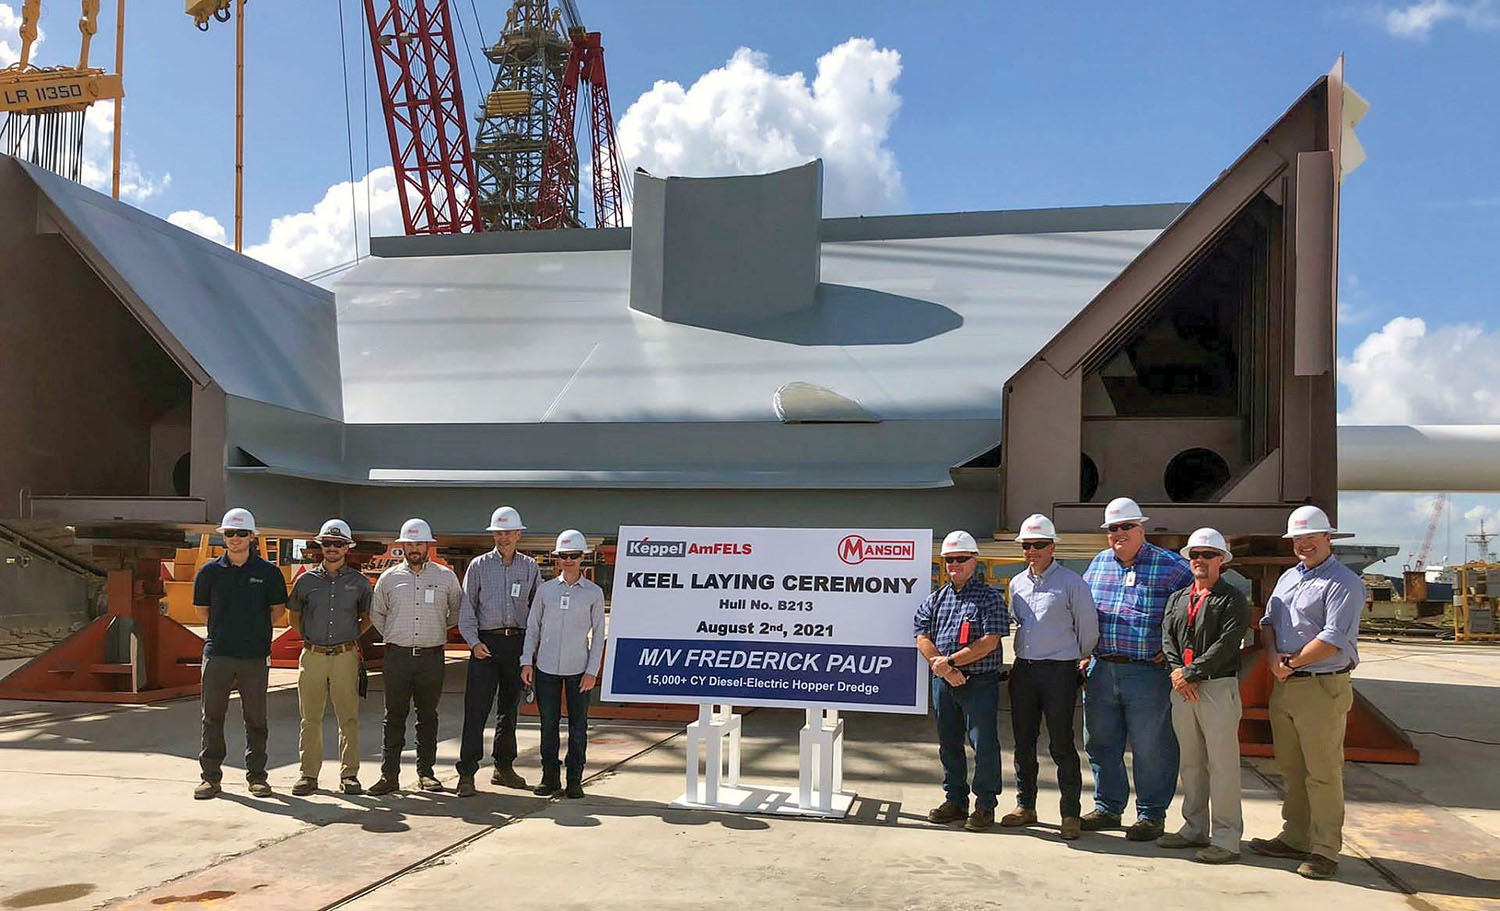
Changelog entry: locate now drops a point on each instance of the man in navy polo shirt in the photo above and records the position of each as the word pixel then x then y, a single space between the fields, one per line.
pixel 238 596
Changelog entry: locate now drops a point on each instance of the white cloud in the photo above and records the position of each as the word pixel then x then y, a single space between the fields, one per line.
pixel 201 224
pixel 1405 373
pixel 1417 20
pixel 742 118
pixel 305 243
pixel 10 36
pixel 1400 520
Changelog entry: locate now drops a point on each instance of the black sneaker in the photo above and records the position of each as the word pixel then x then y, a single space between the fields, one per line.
pixel 1275 847
pixel 546 789
pixel 1098 821
pixel 947 811
pixel 574 790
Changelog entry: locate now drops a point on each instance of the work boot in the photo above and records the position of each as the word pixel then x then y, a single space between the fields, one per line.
pixel 546 789
pixel 1213 854
pixel 1178 840
pixel 304 786
pixel 1317 867
pixel 947 811
pixel 466 786
pixel 429 783
pixel 206 789
pixel 1098 821
pixel 506 776
pixel 1020 816
pixel 979 820
pixel 260 789
pixel 384 786
pixel 351 786
pixel 574 790
pixel 1275 847
pixel 1071 828
pixel 1145 830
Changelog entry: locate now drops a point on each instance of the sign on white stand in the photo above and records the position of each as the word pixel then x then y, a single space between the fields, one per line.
pixel 713 742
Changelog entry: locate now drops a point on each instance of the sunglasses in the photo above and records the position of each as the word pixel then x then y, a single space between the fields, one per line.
pixel 1204 555
pixel 237 533
pixel 957 559
pixel 334 543
pixel 1036 545
pixel 569 556
pixel 1124 526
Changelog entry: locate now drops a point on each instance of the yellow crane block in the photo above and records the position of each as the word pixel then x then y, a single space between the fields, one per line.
pixel 511 103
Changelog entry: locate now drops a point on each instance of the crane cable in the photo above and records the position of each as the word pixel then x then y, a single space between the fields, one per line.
pixel 349 134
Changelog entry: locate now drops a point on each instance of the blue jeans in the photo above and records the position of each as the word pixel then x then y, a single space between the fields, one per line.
pixel 1131 703
pixel 970 712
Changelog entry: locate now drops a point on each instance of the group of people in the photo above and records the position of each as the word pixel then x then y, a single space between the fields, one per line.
pixel 1152 638
pixel 547 636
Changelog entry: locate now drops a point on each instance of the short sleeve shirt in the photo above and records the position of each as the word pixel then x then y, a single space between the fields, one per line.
pixel 239 601
pixel 330 606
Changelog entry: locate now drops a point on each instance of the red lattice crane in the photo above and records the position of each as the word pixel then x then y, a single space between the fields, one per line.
pixel 585 69
pixel 423 102
pixel 1432 524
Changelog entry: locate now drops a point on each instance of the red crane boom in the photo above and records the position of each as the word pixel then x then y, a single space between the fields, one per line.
pixel 423 102
pixel 585 68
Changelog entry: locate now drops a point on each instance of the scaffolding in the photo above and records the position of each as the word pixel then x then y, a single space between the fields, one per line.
pixel 1475 602
pixel 530 55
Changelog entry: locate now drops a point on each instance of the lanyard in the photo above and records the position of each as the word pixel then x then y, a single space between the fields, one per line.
pixel 1195 604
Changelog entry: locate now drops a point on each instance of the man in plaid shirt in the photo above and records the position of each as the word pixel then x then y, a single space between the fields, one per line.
pixel 958 631
pixel 1128 694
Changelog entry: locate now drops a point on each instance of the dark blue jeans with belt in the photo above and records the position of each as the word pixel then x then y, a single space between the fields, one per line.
pixel 969 713
pixel 551 692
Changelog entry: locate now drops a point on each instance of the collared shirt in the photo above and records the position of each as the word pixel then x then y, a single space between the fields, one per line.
pixel 1213 637
pixel 496 595
pixel 1319 603
pixel 239 601
pixel 1055 615
pixel 329 606
pixel 416 609
pixel 1131 599
pixel 565 629
pixel 942 614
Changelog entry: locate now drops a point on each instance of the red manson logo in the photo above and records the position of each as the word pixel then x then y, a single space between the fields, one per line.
pixel 855 549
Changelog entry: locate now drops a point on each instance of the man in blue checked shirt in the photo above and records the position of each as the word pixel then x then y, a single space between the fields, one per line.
pixel 958 631
pixel 1128 696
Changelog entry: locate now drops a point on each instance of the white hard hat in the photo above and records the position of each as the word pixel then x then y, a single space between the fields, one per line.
pixel 1309 520
pixel 336 528
pixel 1037 526
pixel 416 531
pixel 1123 509
pixel 505 519
pixel 1208 537
pixel 238 518
pixel 959 542
pixel 571 541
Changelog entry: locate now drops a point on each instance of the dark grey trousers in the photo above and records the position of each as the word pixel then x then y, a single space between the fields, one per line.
pixel 410 679
pixel 221 675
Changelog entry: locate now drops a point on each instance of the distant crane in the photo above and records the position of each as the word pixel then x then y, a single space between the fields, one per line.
pixel 1432 523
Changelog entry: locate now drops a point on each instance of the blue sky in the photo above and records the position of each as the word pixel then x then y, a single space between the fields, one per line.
pixel 996 105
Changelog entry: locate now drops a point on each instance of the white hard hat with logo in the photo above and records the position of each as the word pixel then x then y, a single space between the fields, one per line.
pixel 1037 526
pixel 570 542
pixel 416 531
pixel 1210 538
pixel 505 519
pixel 335 528
pixel 1123 509
pixel 959 542
pixel 238 519
pixel 1310 520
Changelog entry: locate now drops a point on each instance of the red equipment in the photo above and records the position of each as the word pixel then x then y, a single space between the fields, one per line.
pixel 560 162
pixel 423 101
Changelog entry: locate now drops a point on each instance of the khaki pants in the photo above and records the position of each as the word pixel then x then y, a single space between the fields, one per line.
pixel 318 675
pixel 1208 738
pixel 1308 715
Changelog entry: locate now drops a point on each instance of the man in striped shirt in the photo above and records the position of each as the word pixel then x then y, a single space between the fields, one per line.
pixel 1128 695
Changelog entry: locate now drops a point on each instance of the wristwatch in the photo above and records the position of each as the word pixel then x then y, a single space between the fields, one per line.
pixel 1286 662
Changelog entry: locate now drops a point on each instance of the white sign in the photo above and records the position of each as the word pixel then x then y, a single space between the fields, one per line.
pixel 792 617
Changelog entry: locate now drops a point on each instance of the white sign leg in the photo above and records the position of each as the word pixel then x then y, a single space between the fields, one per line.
pixel 821 761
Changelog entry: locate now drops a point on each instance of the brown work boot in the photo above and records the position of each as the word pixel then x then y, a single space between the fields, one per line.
pixel 1318 867
pixel 1071 828
pixel 979 820
pixel 206 789
pixel 1213 854
pixel 350 786
pixel 1178 840
pixel 429 783
pixel 946 812
pixel 1098 820
pixel 260 789
pixel 1020 816
pixel 506 776
pixel 1275 847
pixel 304 786
pixel 466 786
pixel 1144 830
pixel 384 786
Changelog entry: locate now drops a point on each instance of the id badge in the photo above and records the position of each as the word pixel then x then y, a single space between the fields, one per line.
pixel 515 589
pixel 429 596
pixel 1130 579
pixel 562 601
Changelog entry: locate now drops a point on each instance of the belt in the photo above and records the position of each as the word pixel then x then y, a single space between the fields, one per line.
pixel 416 651
pixel 1068 661
pixel 331 649
pixel 1342 670
pixel 1126 659
pixel 504 631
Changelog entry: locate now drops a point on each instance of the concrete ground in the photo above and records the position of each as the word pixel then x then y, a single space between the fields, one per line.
pixel 98 813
